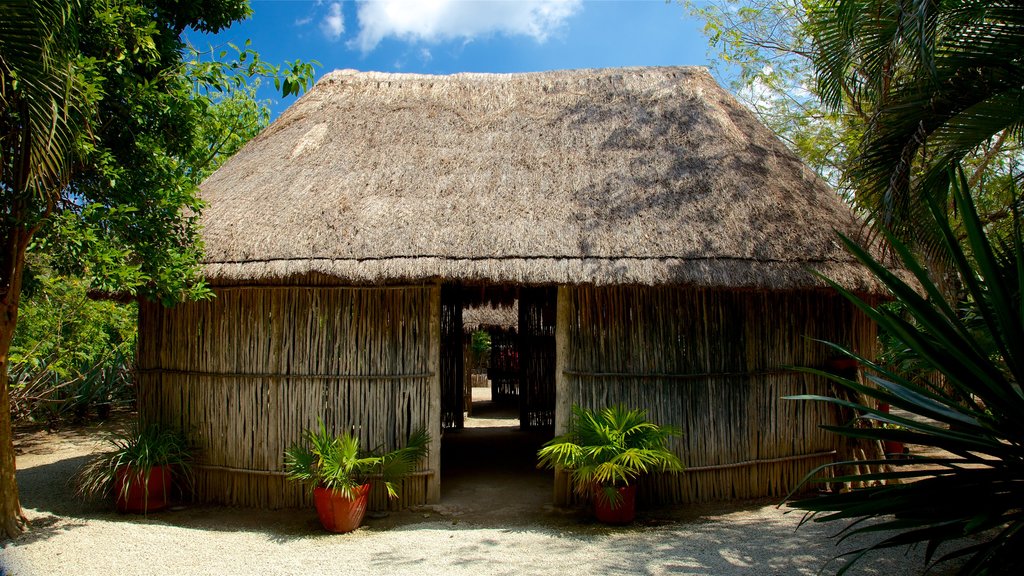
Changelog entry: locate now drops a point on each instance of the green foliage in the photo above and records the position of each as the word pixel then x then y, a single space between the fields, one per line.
pixel 153 119
pixel 481 342
pixel 938 83
pixel 69 351
pixel 609 448
pixel 46 94
pixel 139 449
pixel 337 462
pixel 761 50
pixel 975 491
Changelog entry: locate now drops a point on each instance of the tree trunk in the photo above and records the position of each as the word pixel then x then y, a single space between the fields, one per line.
pixel 11 517
pixel 12 520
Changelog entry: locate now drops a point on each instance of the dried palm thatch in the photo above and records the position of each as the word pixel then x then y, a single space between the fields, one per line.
pixel 484 317
pixel 620 176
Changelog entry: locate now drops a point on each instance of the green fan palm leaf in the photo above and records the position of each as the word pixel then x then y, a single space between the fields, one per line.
pixel 338 463
pixel 611 448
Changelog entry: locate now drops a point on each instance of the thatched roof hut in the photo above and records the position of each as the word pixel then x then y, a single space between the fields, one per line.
pixel 659 240
pixel 645 176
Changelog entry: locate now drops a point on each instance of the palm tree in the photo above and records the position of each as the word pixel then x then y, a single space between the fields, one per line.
pixel 44 102
pixel 939 79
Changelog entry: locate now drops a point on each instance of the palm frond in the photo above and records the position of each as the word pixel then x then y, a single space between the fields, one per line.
pixel 609 447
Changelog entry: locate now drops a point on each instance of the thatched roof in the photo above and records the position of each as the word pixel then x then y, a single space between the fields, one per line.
pixel 632 176
pixel 478 317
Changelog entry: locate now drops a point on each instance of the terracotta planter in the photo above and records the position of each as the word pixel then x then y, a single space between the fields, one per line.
pixel 843 365
pixel 340 514
pixel 146 493
pixel 893 448
pixel 624 511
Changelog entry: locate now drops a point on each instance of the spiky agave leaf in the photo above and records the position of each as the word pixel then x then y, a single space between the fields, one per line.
pixel 978 491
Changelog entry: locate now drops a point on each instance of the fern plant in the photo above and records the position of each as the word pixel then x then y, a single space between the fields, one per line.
pixel 338 463
pixel 609 448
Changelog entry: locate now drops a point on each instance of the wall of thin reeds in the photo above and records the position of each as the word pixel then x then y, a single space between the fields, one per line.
pixel 715 364
pixel 243 374
pixel 503 368
pixel 537 310
pixel 453 356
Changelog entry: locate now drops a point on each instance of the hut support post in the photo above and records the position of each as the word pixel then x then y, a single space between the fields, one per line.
pixel 434 414
pixel 563 404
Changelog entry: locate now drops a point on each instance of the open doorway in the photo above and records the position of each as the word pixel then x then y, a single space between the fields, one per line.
pixel 503 410
pixel 506 335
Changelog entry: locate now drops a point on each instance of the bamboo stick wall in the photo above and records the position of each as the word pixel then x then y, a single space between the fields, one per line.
pixel 452 358
pixel 712 363
pixel 537 357
pixel 503 370
pixel 244 373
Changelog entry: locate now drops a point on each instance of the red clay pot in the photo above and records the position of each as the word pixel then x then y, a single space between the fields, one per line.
pixel 842 364
pixel 624 511
pixel 893 448
pixel 340 514
pixel 145 494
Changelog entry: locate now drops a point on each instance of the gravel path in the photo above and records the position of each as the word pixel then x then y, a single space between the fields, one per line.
pixel 461 536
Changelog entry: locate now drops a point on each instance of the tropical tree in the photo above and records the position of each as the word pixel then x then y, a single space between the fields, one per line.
pixel 107 127
pixel 46 96
pixel 940 82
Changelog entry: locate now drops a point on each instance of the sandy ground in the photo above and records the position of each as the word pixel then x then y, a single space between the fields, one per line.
pixel 495 517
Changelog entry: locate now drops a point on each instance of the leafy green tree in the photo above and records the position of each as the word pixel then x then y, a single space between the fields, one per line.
pixel 45 96
pixel 762 51
pixel 940 83
pixel 107 127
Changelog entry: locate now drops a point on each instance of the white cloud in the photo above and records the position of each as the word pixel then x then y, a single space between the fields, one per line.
pixel 438 20
pixel 333 24
pixel 303 21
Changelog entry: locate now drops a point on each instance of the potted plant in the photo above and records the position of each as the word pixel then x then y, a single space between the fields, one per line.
pixel 140 470
pixel 340 472
pixel 604 452
pixel 894 449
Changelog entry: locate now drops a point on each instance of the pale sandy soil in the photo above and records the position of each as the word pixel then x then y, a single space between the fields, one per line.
pixel 495 517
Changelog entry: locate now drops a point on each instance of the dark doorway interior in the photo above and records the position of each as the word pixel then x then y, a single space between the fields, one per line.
pixel 521 367
pixel 493 431
pixel 490 464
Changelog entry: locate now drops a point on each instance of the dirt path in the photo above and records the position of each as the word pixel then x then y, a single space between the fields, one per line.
pixel 493 519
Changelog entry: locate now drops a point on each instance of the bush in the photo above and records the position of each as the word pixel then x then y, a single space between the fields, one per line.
pixel 70 353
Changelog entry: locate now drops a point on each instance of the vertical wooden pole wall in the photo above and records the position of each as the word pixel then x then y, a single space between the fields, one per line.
pixel 537 310
pixel 245 373
pixel 563 396
pixel 715 364
pixel 452 358
pixel 434 412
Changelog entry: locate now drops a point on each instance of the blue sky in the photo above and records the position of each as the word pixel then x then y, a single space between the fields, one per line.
pixel 449 36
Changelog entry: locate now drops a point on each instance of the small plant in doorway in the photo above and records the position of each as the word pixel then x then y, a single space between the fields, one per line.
pixel 605 452
pixel 339 472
